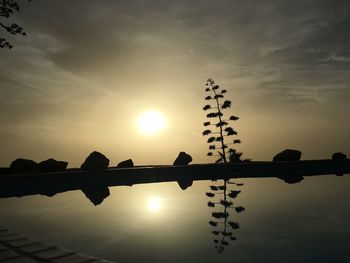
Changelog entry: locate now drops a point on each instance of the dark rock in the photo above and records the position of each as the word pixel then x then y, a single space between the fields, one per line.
pixel 339 156
pixel 96 193
pixel 287 155
pixel 183 159
pixel 126 164
pixel 23 166
pixel 5 170
pixel 291 179
pixel 184 183
pixel 95 161
pixel 51 165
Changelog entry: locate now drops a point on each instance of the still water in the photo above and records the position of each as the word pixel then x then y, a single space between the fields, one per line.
pixel 304 222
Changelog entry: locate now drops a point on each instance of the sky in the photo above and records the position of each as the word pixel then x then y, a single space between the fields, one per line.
pixel 87 69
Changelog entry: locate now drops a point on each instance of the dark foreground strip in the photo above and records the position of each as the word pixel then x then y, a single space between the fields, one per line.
pixel 22 249
pixel 49 184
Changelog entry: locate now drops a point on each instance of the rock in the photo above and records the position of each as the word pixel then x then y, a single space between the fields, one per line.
pixel 51 165
pixel 185 183
pixel 183 159
pixel 96 193
pixel 126 164
pixel 291 179
pixel 339 156
pixel 5 170
pixel 23 166
pixel 287 155
pixel 95 161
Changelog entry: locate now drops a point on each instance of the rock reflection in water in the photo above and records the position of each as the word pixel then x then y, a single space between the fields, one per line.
pixel 222 201
pixel 96 193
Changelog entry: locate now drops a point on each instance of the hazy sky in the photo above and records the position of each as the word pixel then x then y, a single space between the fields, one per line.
pixel 87 69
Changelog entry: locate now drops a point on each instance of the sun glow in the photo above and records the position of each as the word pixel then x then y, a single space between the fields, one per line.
pixel 151 122
pixel 154 204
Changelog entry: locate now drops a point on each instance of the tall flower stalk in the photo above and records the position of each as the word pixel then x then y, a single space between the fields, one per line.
pixel 221 130
pixel 222 203
pixel 221 138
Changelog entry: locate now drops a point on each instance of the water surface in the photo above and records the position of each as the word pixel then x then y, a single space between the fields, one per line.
pixel 304 222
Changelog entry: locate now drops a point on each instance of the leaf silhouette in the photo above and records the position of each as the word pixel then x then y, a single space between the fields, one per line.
pixel 207 123
pixel 226 104
pixel 208 98
pixel 214 188
pixel 233 194
pixel 210 194
pixel 219 215
pixel 206 132
pixel 215 87
pixel 211 139
pixel 215 232
pixel 211 147
pixel 211 204
pixel 229 131
pixel 233 225
pixel 236 141
pixel 217 96
pixel 223 91
pixel 221 123
pixel 239 209
pixel 212 223
pixel 206 107
pixel 234 118
pixel 212 115
pixel 226 203
pixel 219 160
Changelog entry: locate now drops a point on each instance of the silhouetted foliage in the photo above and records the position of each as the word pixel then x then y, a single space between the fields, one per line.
pixel 225 154
pixel 206 107
pixel 206 132
pixel 239 209
pixel 221 218
pixel 212 223
pixel 211 204
pixel 233 225
pixel 8 8
pixel 210 194
pixel 233 194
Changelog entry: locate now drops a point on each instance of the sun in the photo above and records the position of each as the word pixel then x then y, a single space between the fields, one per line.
pixel 151 122
pixel 154 204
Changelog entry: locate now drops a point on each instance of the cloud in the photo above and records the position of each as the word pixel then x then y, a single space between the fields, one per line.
pixel 275 57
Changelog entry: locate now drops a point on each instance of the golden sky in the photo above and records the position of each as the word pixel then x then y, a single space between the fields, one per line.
pixel 87 70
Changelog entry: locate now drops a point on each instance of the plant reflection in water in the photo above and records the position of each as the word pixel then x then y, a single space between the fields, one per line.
pixel 222 196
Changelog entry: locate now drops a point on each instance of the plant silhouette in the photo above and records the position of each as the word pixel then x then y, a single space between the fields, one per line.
pixel 8 8
pixel 220 131
pixel 220 194
pixel 222 201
